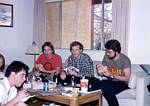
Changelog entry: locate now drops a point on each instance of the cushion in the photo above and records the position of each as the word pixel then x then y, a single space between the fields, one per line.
pixel 146 68
pixel 127 94
pixel 132 80
pixel 136 71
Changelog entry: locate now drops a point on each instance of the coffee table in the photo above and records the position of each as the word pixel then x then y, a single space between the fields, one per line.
pixel 74 101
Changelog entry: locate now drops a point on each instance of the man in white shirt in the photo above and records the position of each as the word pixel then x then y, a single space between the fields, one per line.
pixel 15 76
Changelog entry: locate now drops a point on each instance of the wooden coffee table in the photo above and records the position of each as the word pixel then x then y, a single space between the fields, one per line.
pixel 74 101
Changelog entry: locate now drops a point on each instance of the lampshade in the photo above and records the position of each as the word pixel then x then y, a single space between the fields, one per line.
pixel 32 49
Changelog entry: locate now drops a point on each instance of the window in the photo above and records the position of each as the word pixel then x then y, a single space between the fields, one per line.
pixel 101 22
pixel 79 20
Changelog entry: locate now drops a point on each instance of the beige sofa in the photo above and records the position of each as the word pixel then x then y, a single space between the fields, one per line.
pixel 137 95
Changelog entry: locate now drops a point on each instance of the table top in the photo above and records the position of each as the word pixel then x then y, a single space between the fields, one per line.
pixel 81 98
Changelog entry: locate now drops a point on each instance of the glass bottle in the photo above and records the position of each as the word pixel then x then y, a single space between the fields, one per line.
pixel 73 83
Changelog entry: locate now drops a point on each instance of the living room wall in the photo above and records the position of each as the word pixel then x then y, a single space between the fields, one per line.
pixel 15 40
pixel 139 40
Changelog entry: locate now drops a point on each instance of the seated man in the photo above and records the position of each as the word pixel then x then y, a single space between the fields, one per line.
pixel 117 67
pixel 15 76
pixel 80 61
pixel 48 63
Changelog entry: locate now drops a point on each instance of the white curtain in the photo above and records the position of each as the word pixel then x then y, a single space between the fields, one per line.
pixel 39 23
pixel 120 22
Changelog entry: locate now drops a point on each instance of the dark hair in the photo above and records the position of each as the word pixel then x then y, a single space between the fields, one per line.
pixel 49 44
pixel 114 45
pixel 16 66
pixel 76 43
pixel 3 65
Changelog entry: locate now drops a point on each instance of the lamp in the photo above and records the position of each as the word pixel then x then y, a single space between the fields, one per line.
pixel 33 50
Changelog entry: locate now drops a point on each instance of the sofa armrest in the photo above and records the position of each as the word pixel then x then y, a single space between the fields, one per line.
pixel 142 94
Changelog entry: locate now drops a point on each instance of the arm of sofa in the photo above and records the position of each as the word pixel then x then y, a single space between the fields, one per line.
pixel 142 94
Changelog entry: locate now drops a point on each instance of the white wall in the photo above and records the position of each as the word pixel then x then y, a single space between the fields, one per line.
pixel 96 55
pixel 139 50
pixel 14 40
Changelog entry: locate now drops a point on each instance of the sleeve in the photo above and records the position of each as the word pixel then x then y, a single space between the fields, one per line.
pixel 104 61
pixel 1 93
pixel 89 66
pixel 58 62
pixel 39 60
pixel 126 63
pixel 12 93
pixel 68 62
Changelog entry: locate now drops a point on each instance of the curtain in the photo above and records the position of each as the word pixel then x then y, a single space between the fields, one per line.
pixel 120 22
pixel 39 36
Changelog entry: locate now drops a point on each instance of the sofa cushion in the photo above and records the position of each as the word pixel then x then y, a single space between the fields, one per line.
pixel 132 81
pixel 127 94
pixel 136 71
pixel 146 68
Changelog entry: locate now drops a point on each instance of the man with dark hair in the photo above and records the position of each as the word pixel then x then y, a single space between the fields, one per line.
pixel 79 60
pixel 48 62
pixel 15 76
pixel 117 67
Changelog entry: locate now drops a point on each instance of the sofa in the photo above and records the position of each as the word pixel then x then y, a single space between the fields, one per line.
pixel 137 95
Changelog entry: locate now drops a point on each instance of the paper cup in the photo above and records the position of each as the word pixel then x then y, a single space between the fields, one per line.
pixel 84 85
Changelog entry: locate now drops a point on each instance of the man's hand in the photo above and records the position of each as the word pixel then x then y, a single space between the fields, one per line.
pixel 21 95
pixel 107 73
pixel 40 67
pixel 72 71
pixel 103 70
pixel 63 75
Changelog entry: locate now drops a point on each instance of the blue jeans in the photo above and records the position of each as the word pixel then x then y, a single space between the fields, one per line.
pixel 109 89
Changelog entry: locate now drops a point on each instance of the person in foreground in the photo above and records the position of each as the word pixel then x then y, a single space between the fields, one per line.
pixel 2 66
pixel 117 67
pixel 48 62
pixel 80 61
pixel 15 76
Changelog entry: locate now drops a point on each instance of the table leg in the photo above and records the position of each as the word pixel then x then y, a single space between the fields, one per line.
pixel 100 100
pixel 74 102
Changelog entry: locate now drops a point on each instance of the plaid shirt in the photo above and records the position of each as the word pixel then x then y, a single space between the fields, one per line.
pixel 84 64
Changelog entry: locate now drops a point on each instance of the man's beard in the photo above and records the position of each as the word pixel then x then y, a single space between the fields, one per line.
pixel 113 56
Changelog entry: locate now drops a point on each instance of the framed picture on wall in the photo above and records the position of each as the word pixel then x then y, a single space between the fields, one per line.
pixel 6 15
